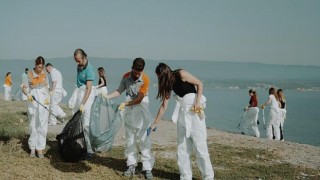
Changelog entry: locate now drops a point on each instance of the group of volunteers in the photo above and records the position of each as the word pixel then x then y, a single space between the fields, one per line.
pixel 43 92
pixel 277 115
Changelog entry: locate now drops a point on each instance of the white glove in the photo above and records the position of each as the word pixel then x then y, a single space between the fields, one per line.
pixel 82 108
pixel 122 106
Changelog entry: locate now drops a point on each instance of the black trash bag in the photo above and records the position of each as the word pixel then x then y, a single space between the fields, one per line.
pixel 72 145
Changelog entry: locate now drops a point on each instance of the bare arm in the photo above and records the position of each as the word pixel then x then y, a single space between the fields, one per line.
pixel 88 91
pixel 114 94
pixel 266 103
pixel 187 77
pixel 136 100
pixel 102 83
pixel 161 112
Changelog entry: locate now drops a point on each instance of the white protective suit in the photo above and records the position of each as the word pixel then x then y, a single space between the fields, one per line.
pixel 75 102
pixel 56 110
pixel 249 121
pixel 38 118
pixel 192 134
pixel 101 90
pixel 56 97
pixel 282 116
pixel 7 92
pixel 24 81
pixel 274 119
pixel 137 119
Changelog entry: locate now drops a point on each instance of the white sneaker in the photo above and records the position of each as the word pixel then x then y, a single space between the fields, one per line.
pixel 130 171
pixel 52 124
pixel 33 153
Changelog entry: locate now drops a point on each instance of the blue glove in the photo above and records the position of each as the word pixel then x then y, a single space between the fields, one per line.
pixel 149 130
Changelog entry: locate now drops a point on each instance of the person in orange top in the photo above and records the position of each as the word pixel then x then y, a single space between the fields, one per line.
pixel 137 118
pixel 7 86
pixel 37 114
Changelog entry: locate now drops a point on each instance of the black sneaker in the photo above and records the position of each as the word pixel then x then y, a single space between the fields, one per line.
pixel 88 156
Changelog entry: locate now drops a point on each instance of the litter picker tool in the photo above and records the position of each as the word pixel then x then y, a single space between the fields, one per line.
pixel 34 98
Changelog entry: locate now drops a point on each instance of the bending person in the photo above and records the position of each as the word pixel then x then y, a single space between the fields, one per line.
pixel 38 101
pixel 250 116
pixel 56 92
pixel 189 115
pixel 273 126
pixel 137 118
pixel 84 94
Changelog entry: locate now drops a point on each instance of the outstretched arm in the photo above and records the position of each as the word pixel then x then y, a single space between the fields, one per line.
pixel 161 111
pixel 114 94
pixel 266 103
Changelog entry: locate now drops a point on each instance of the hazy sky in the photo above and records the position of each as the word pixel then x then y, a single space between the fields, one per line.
pixel 266 31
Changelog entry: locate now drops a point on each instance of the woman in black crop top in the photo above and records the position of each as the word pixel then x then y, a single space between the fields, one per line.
pixel 191 127
pixel 282 100
pixel 102 84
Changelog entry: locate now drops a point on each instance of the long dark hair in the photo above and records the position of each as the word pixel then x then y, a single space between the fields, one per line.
pixel 102 74
pixel 272 90
pixel 40 60
pixel 253 92
pixel 166 79
pixel 8 73
pixel 281 96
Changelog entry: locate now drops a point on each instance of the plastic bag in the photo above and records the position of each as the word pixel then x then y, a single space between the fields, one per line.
pixel 72 145
pixel 105 121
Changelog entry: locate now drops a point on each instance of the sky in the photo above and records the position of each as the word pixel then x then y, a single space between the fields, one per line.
pixel 263 31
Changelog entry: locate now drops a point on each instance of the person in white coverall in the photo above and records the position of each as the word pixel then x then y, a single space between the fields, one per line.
pixel 102 84
pixel 283 112
pixel 37 114
pixel 189 116
pixel 56 92
pixel 274 115
pixel 24 81
pixel 137 118
pixel 250 115
pixel 7 86
pixel 84 94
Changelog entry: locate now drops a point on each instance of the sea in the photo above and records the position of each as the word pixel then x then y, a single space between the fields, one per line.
pixel 226 86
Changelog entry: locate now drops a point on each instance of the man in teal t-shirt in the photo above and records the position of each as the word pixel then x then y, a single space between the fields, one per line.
pixel 85 98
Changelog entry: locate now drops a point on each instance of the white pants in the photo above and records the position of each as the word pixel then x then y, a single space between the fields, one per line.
pixel 55 108
pixel 38 118
pixel 7 92
pixel 79 94
pixel 103 89
pixel 192 134
pixel 283 113
pixel 24 97
pixel 249 121
pixel 136 120
pixel 274 123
